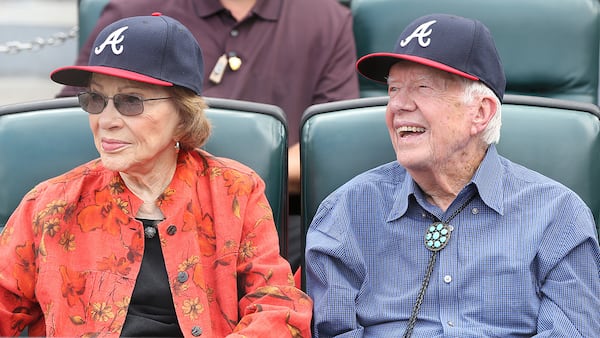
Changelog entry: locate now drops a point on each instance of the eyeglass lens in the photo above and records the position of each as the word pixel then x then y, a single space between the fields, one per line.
pixel 95 103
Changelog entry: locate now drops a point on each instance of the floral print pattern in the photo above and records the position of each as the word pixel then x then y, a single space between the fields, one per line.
pixel 72 250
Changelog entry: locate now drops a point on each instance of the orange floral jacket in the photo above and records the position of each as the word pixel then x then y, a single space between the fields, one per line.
pixel 71 251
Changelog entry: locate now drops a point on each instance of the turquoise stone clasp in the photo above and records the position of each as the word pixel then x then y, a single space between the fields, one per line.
pixel 437 236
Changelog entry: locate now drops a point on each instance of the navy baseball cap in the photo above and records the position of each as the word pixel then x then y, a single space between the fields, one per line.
pixel 451 43
pixel 154 49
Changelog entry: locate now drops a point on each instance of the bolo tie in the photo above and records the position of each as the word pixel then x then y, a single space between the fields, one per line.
pixel 436 238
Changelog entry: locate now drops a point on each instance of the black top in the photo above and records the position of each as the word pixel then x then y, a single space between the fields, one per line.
pixel 151 311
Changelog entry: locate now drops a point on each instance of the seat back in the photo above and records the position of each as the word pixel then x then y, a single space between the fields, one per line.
pixel 548 48
pixel 88 13
pixel 354 133
pixel 558 138
pixel 39 140
pixel 255 134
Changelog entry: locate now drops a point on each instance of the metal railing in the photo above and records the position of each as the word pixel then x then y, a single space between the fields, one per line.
pixel 14 47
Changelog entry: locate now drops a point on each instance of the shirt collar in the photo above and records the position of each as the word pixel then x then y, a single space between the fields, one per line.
pixel 406 188
pixel 266 9
pixel 487 179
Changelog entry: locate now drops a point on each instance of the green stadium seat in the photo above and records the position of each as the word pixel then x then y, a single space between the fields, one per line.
pixel 549 48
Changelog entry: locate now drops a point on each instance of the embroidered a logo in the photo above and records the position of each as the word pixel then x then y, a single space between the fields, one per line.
pixel 114 40
pixel 422 33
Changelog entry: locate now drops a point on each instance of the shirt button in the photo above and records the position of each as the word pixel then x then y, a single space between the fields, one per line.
pixel 447 279
pixel 474 211
pixel 234 33
pixel 182 277
pixel 171 230
pixel 450 323
pixel 196 331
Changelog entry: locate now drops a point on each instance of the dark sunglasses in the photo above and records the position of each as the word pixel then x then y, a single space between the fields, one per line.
pixel 128 105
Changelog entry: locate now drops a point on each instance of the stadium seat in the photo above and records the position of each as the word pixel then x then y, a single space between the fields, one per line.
pixel 39 140
pixel 256 135
pixel 558 138
pixel 549 48
pixel 42 139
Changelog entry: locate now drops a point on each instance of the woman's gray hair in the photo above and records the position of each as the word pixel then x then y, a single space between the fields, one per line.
pixel 475 89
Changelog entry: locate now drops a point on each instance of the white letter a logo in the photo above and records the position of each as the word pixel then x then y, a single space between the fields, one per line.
pixel 114 39
pixel 422 33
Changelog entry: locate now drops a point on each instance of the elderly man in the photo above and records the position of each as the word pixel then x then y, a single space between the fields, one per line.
pixel 451 239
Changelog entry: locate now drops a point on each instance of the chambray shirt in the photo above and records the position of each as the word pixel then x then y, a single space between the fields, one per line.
pixel 523 259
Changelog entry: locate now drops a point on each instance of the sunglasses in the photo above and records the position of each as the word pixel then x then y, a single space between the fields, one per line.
pixel 128 105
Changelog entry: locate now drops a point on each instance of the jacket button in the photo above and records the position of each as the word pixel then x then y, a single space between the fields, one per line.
pixel 196 331
pixel 182 277
pixel 171 230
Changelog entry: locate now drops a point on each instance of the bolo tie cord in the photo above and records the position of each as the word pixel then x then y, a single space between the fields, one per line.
pixel 437 237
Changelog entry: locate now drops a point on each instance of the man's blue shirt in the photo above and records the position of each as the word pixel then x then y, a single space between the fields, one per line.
pixel 522 260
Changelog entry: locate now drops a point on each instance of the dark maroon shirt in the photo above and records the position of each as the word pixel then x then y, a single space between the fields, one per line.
pixel 294 52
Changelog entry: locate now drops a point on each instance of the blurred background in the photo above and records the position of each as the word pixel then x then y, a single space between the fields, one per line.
pixel 36 36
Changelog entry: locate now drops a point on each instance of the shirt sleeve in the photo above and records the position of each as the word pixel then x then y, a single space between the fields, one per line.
pixel 569 278
pixel 335 273
pixel 270 304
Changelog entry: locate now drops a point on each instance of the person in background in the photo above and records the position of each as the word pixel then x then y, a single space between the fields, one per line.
pixel 156 237
pixel 289 53
pixel 451 239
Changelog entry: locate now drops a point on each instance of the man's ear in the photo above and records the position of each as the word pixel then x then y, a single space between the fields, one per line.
pixel 484 113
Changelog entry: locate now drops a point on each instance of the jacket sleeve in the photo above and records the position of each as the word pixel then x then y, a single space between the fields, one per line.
pixel 270 305
pixel 18 274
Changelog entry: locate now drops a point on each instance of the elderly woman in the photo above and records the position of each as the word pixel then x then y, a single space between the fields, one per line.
pixel 157 237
